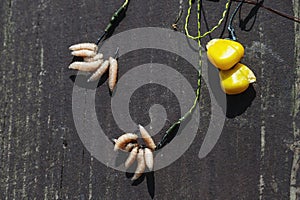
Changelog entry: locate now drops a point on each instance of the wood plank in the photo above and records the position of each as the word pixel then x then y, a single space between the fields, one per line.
pixel 42 156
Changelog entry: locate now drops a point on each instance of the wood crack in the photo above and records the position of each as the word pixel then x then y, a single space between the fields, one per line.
pixel 294 187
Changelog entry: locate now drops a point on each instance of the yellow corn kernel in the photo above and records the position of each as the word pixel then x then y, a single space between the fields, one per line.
pixel 237 79
pixel 224 53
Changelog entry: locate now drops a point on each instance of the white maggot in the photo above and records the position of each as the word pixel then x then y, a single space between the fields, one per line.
pixel 147 138
pixel 140 165
pixel 113 73
pixel 149 158
pixel 100 71
pixel 86 66
pixel 98 56
pixel 124 139
pixel 82 46
pixel 131 158
pixel 84 53
pixel 128 147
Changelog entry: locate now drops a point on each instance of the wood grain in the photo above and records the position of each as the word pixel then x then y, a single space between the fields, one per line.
pixel 42 156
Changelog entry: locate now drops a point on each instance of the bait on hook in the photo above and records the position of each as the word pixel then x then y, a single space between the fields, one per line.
pixel 225 54
pixel 141 165
pixel 149 158
pixel 113 73
pixel 147 138
pixel 124 139
pixel 86 66
pixel 131 158
pixel 98 56
pixel 82 46
pixel 143 155
pixel 84 53
pixel 100 71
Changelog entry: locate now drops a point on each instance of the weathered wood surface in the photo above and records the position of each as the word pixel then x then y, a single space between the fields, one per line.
pixel 42 156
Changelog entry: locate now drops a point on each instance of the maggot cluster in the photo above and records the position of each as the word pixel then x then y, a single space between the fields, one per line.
pixel 94 62
pixel 143 155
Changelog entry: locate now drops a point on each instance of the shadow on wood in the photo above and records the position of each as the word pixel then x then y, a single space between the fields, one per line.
pixel 238 104
pixel 82 81
pixel 150 181
pixel 252 14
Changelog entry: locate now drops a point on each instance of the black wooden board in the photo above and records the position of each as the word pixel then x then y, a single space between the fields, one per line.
pixel 42 156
